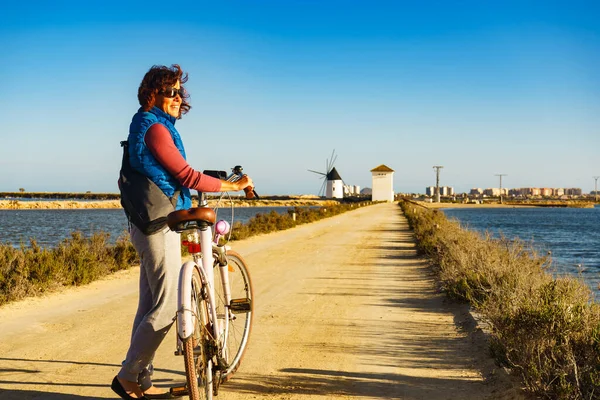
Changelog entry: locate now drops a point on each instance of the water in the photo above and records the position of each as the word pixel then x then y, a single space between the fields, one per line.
pixel 572 235
pixel 50 227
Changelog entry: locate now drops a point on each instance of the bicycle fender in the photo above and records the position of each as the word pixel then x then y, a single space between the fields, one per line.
pixel 185 316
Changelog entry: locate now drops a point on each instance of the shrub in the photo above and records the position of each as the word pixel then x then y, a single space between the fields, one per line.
pixel 32 270
pixel 546 329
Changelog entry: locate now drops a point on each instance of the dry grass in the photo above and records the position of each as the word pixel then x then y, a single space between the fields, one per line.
pixel 28 271
pixel 545 329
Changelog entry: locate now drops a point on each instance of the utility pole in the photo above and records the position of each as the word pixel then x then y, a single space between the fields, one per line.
pixel 437 182
pixel 500 175
pixel 596 188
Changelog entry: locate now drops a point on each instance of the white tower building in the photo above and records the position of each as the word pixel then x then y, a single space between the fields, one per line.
pixel 383 183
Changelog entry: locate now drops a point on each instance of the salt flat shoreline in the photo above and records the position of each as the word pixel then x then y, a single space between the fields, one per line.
pixel 472 205
pixel 115 204
pixel 298 201
pixel 508 205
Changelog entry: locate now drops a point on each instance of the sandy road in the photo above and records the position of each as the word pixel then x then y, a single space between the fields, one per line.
pixel 344 310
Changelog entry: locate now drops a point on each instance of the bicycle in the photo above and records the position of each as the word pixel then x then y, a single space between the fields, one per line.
pixel 214 313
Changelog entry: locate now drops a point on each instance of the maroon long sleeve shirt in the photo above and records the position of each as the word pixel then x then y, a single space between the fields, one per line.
pixel 161 145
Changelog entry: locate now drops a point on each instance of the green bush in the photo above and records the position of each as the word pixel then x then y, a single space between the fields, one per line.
pixel 32 270
pixel 546 329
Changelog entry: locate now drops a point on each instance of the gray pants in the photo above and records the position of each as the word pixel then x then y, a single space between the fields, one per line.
pixel 160 256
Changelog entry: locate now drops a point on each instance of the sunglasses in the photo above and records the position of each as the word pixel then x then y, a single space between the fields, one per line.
pixel 172 92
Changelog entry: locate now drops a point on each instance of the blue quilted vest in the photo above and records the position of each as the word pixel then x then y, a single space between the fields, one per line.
pixel 142 160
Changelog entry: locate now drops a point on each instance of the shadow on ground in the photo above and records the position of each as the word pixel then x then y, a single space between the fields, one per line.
pixel 410 351
pixel 329 383
pixel 15 380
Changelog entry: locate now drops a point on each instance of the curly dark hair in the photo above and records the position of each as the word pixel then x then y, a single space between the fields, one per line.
pixel 158 78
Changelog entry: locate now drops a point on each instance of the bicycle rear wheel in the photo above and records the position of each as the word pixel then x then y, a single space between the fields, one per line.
pixel 198 366
pixel 240 317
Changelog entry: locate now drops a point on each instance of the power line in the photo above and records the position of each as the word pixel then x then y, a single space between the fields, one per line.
pixel 500 175
pixel 437 182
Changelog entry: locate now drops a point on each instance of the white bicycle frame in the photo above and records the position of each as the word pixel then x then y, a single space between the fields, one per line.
pixel 204 263
pixel 186 317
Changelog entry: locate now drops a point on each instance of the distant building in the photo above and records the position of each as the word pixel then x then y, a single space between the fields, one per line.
pixel 524 192
pixel 351 190
pixel 520 192
pixel 476 192
pixel 446 191
pixel 573 192
pixel 383 183
pixel 495 192
pixel 527 192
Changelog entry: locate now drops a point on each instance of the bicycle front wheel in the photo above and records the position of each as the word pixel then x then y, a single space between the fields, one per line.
pixel 198 366
pixel 239 313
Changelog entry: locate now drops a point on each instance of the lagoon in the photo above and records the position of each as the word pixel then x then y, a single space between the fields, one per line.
pixel 50 227
pixel 571 235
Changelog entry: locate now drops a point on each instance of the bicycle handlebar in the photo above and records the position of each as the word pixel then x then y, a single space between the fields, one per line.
pixel 236 174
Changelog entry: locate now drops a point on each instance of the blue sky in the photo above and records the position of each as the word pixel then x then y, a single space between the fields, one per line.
pixel 482 88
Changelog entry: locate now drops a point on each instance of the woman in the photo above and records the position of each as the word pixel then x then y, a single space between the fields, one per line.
pixel 156 150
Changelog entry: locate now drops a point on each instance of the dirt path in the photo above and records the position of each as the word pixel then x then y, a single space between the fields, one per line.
pixel 344 310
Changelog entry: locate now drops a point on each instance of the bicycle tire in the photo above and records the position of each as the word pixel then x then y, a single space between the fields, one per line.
pixel 239 328
pixel 198 368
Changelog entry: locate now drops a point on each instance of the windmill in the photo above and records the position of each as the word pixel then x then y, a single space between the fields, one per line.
pixel 333 185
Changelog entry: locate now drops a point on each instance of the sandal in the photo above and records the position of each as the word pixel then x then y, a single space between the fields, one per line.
pixel 120 390
pixel 145 382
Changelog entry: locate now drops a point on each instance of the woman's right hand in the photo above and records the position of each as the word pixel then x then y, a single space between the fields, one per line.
pixel 244 182
pixel 249 186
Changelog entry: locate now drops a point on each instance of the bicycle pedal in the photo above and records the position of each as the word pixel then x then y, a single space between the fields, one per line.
pixel 179 391
pixel 240 305
pixel 222 363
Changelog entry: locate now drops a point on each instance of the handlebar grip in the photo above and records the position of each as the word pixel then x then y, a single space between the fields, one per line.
pixel 250 193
